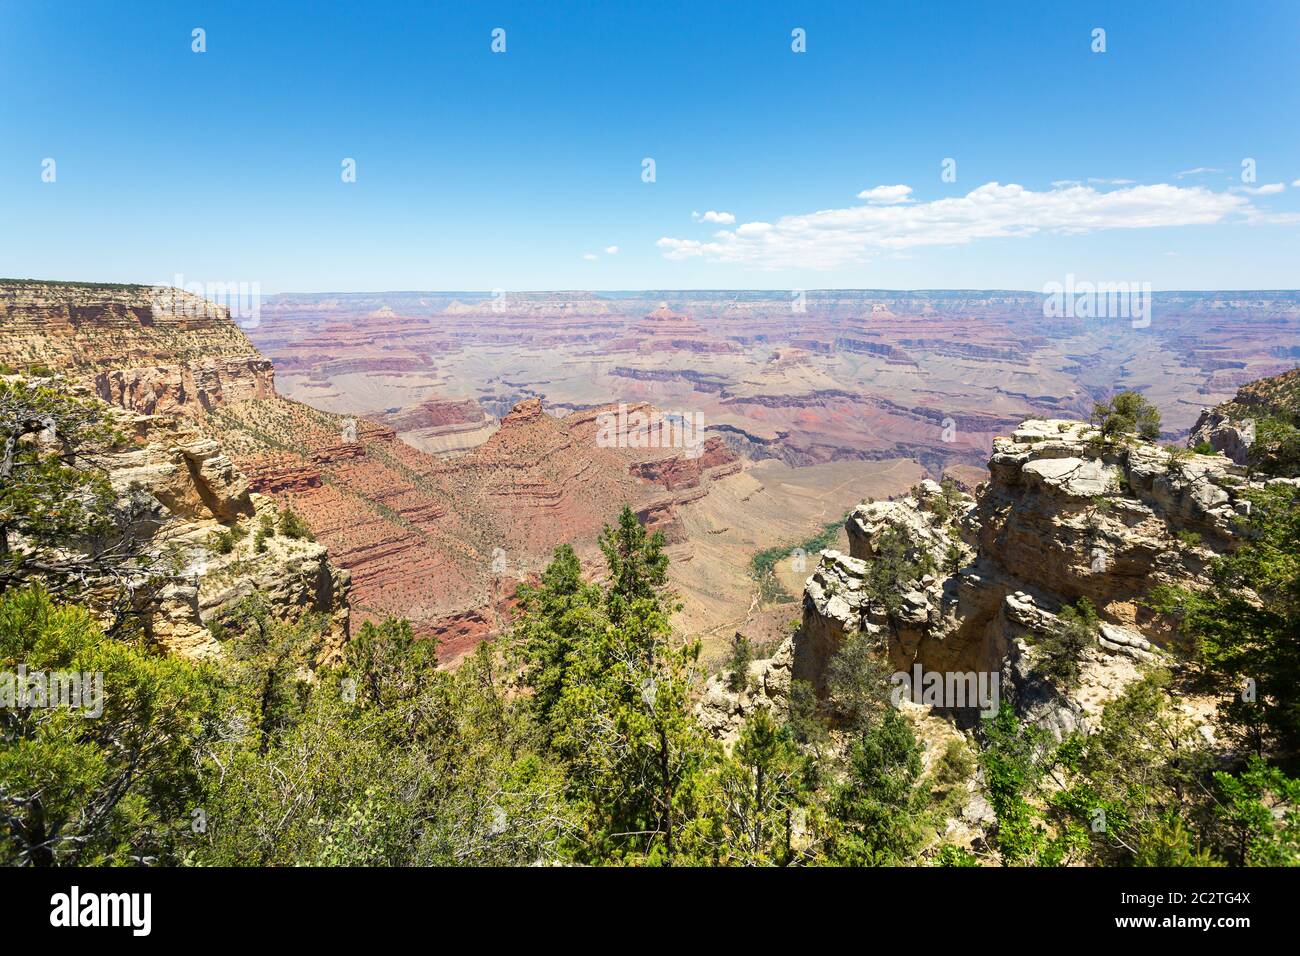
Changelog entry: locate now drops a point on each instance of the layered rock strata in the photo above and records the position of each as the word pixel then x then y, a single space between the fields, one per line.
pixel 1062 517
pixel 149 349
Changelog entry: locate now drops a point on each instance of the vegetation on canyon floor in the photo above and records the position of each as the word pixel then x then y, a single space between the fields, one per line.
pixel 762 566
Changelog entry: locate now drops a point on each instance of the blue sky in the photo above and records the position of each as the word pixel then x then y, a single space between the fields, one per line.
pixel 478 170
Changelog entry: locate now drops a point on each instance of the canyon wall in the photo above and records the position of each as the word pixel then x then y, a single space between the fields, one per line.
pixel 149 349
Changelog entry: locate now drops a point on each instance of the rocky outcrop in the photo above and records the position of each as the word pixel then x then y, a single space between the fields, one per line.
pixel 186 389
pixel 195 522
pixel 1231 437
pixel 224 490
pixel 271 474
pixel 292 577
pixel 838 598
pixel 189 477
pixel 1230 428
pixel 712 458
pixel 924 517
pixel 333 454
pixel 1064 516
pixel 723 711
pixel 1081 519
pixel 1105 668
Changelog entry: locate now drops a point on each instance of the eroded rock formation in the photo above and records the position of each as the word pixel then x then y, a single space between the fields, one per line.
pixel 1063 516
pixel 194 521
pixel 722 710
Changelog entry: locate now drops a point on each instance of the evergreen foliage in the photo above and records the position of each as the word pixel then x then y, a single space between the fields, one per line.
pixel 1127 413
pixel 575 739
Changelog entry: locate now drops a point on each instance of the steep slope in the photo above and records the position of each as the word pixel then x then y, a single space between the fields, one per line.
pixel 445 542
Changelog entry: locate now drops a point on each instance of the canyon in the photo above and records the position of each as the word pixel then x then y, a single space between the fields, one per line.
pixel 442 539
pixel 801 377
pixel 440 445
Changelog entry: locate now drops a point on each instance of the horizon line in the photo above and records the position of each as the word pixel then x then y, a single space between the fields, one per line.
pixel 787 290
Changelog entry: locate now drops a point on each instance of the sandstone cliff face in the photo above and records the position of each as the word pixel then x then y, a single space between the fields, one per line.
pixel 187 389
pixel 1062 517
pixel 1224 434
pixel 185 492
pixel 144 348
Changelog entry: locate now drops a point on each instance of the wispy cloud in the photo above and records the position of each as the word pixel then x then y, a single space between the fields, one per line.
pixel 1093 180
pixel 1268 189
pixel 611 250
pixel 833 237
pixel 886 195
pixel 1197 171
pixel 590 256
pixel 723 218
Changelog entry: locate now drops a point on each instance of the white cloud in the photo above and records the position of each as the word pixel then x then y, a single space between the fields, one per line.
pixel 722 218
pixel 1296 183
pixel 1257 218
pixel 590 256
pixel 1268 189
pixel 886 195
pixel 1198 171
pixel 611 250
pixel 832 237
pixel 1093 180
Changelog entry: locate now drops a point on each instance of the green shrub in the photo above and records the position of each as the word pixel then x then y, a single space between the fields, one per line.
pixel 1079 627
pixel 224 540
pixel 742 655
pixel 293 527
pixel 952 855
pixel 1125 414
